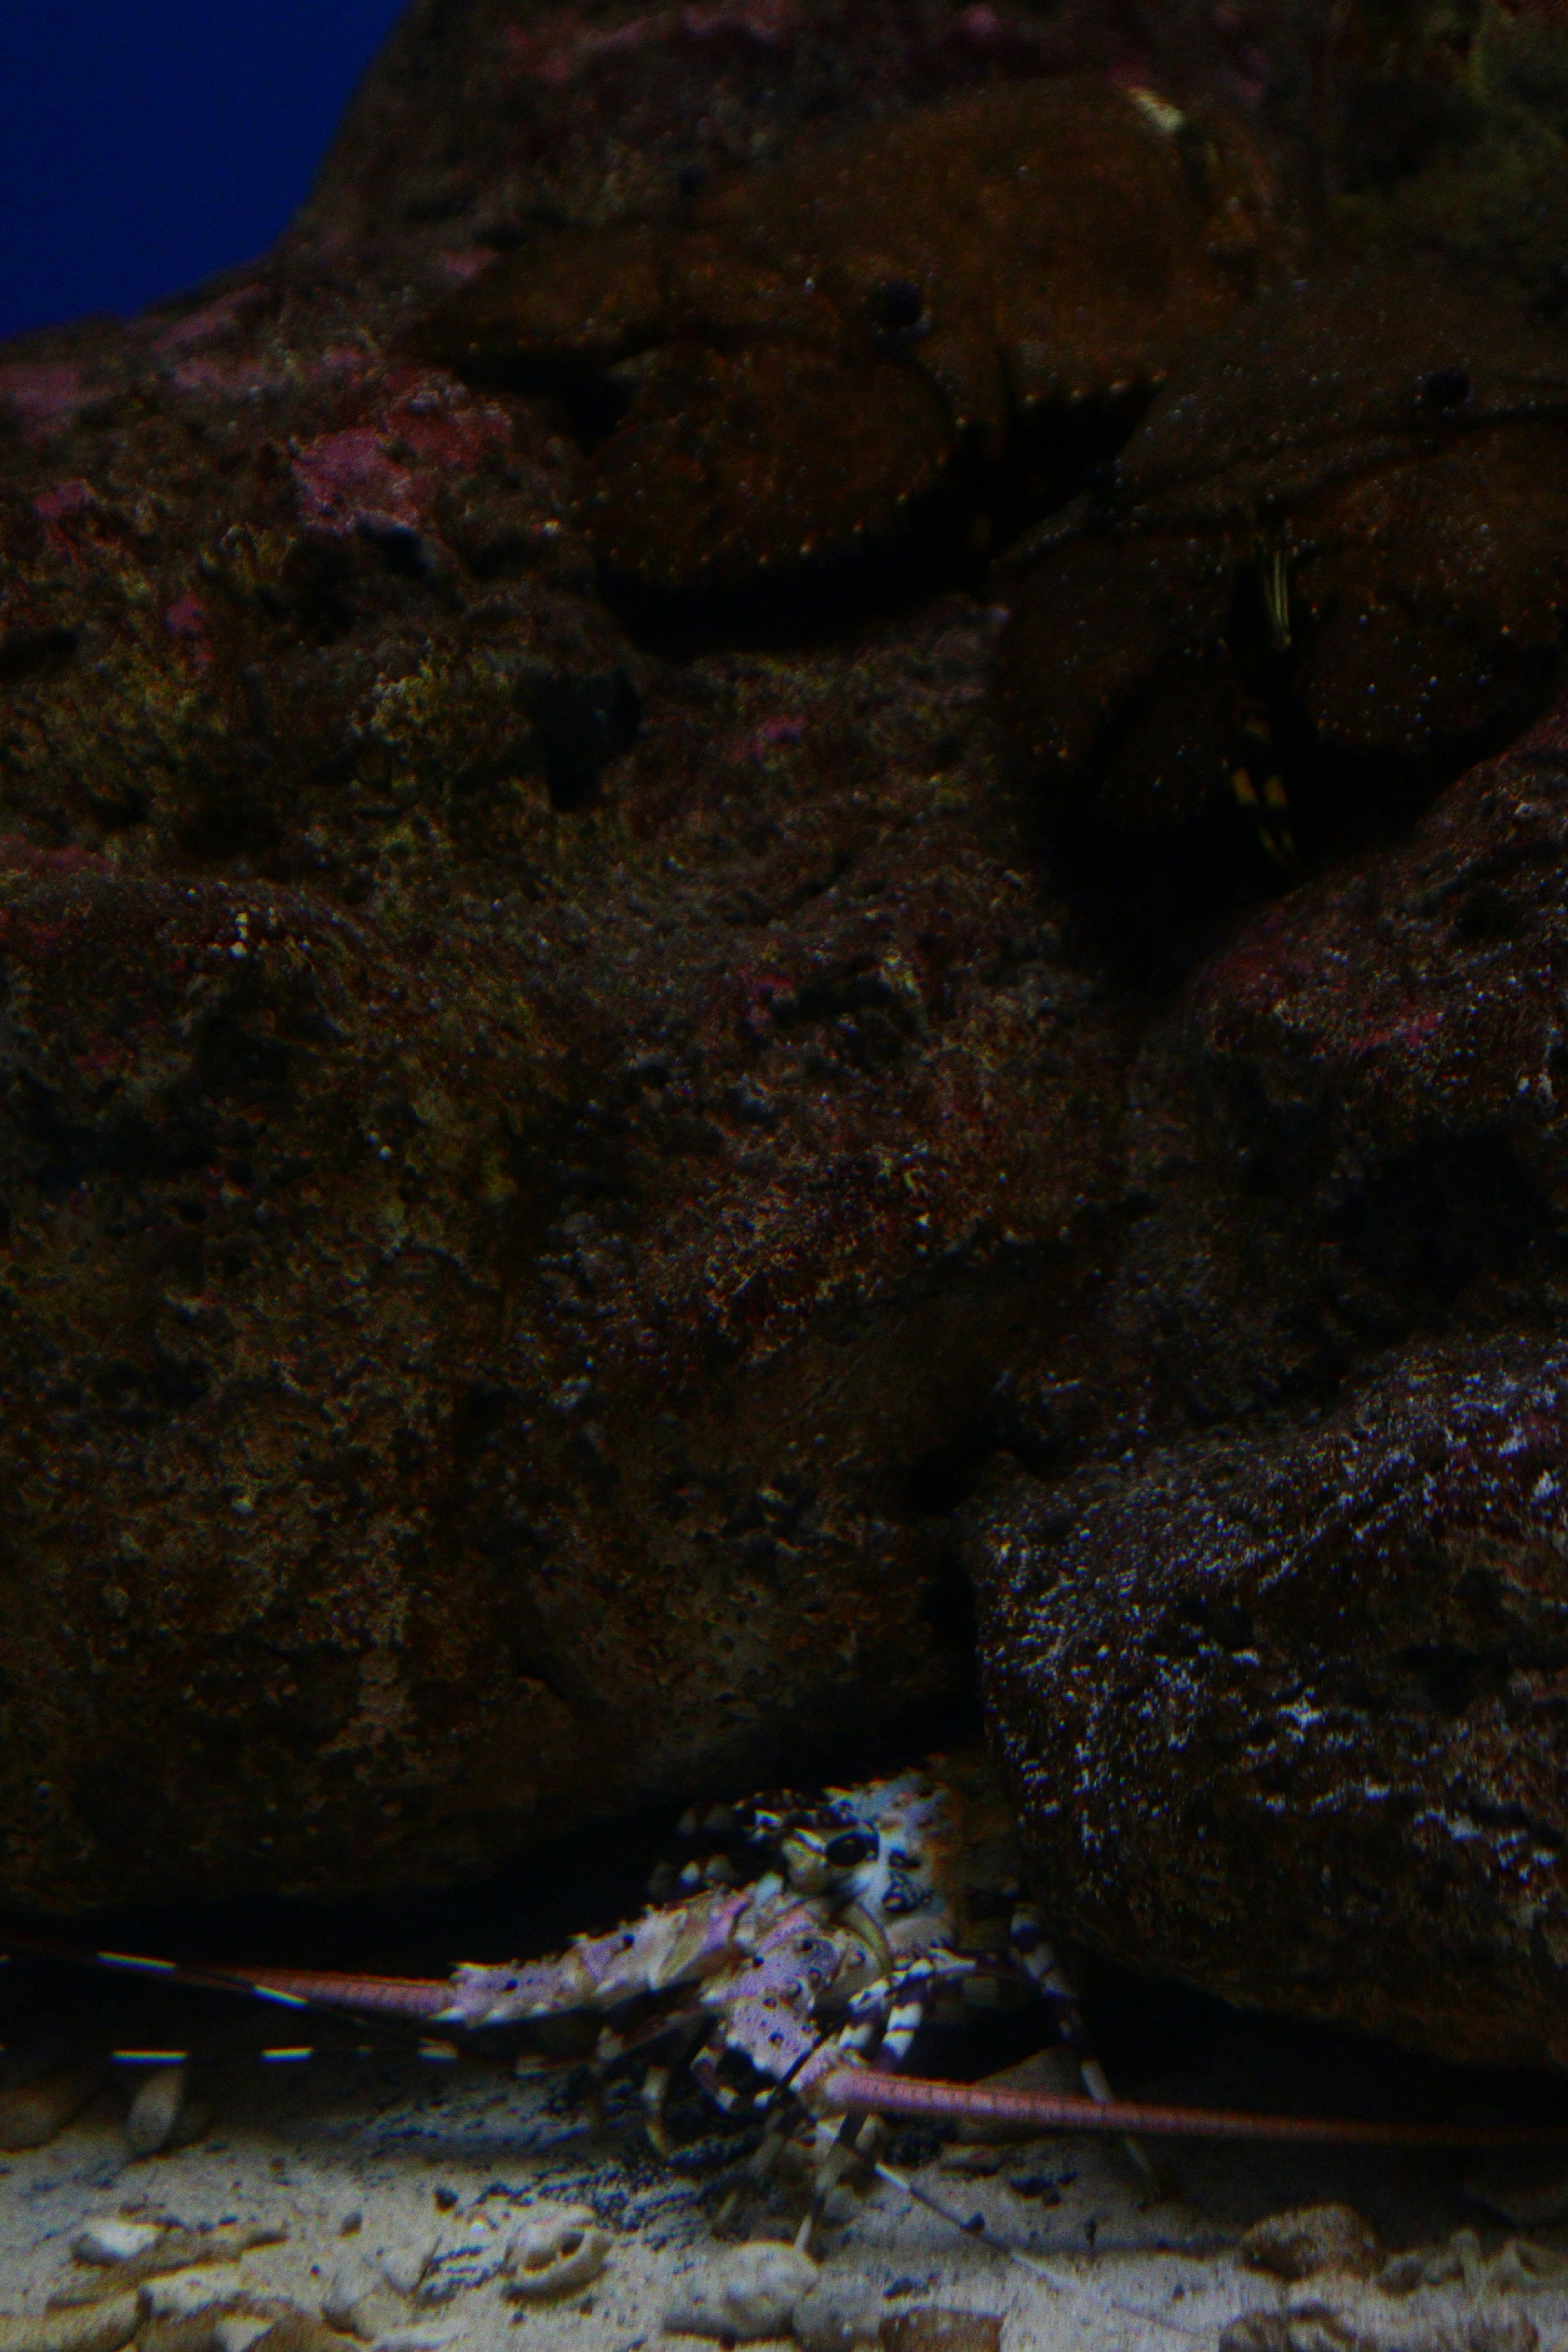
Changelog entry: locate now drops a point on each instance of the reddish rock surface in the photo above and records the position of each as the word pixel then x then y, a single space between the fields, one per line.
pixel 524 1163
pixel 472 1350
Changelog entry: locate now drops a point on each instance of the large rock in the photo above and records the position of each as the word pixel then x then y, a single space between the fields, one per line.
pixel 523 1164
pixel 1282 1691
pixel 480 117
pixel 1354 1126
pixel 483 1318
pixel 531 1173
pixel 1288 1715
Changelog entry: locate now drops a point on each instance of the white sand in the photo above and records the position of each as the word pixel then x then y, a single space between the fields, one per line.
pixel 378 2139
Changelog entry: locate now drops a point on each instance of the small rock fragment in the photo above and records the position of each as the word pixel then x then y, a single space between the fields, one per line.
pixel 1323 2328
pixel 164 2116
pixel 182 2294
pixel 115 2239
pixel 104 2328
pixel 237 2331
pixel 176 2248
pixel 1520 2264
pixel 834 2315
pixel 293 2330
pixel 1462 2262
pixel 933 2328
pixel 1499 2331
pixel 554 2252
pixel 401 2266
pixel 469 2252
pixel 359 2302
pixel 32 2113
pixel 746 2295
pixel 195 2331
pixel 1310 2239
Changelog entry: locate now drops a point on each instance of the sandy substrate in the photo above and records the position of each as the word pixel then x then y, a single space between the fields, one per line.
pixel 404 2183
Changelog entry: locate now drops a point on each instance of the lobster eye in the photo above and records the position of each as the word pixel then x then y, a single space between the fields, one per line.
pixel 843 1853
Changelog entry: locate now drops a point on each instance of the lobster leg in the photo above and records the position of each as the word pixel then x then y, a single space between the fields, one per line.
pixel 1051 1981
pixel 891 2033
pixel 662 2071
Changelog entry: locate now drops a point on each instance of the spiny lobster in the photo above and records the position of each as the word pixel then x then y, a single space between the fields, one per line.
pixel 799 1993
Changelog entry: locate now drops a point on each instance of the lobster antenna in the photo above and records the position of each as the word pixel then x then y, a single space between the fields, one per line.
pixel 859 2089
pixel 977 2226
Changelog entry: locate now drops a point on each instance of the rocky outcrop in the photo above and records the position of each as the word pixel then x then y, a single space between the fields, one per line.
pixel 1284 1714
pixel 522 1163
pixel 1282 1701
pixel 1349 1131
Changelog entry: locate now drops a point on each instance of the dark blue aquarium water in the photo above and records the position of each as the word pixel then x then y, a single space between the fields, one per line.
pixel 141 148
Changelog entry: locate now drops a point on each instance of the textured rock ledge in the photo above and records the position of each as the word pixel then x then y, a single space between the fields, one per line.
pixel 1286 1714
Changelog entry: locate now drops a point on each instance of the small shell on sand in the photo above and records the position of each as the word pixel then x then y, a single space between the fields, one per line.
pixel 555 2252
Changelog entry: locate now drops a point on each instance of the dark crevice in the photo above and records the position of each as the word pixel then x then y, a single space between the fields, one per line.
pixel 1436 1219
pixel 24 653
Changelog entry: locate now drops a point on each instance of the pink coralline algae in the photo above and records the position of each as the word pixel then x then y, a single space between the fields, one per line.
pixel 390 472
pixel 46 394
pixel 187 619
pixel 58 508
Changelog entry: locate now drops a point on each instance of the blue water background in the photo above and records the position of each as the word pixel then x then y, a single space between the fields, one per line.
pixel 146 142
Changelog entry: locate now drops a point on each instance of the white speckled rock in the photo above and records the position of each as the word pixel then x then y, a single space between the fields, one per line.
pixel 746 2295
pixel 834 2314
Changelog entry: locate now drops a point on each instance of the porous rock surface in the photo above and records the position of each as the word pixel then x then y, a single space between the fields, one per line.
pixel 465 1256
pixel 1283 1703
pixel 521 1160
